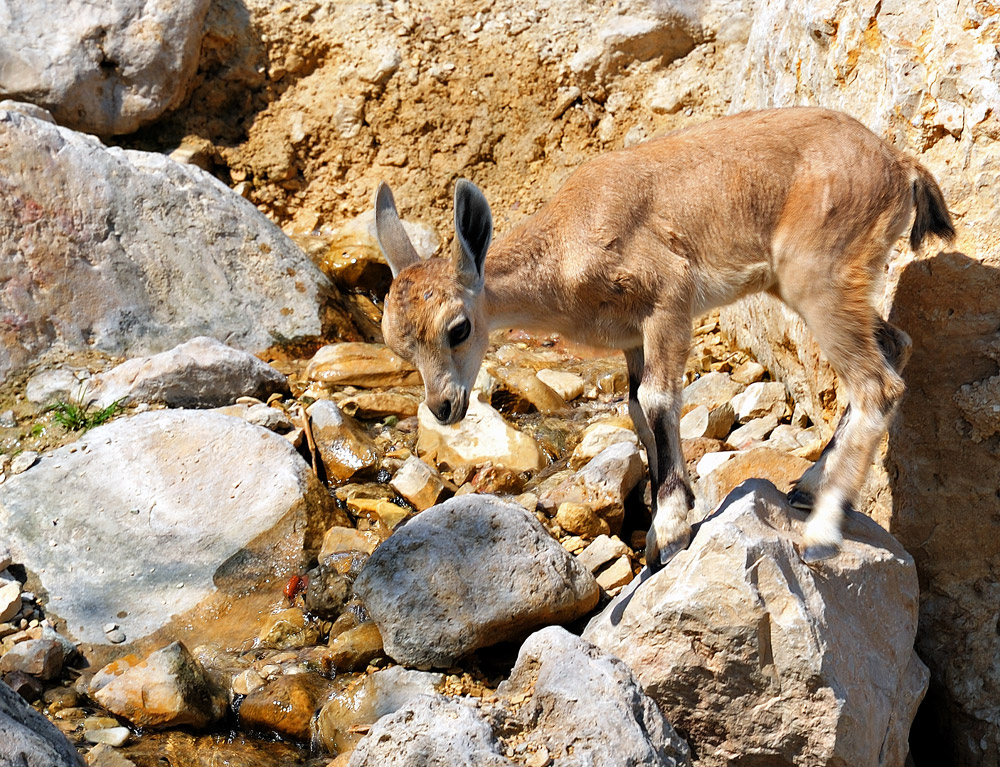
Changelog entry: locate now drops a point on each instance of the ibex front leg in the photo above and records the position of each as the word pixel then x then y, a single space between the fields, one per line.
pixel 659 397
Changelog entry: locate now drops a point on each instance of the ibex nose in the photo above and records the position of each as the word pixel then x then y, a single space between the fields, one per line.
pixel 443 411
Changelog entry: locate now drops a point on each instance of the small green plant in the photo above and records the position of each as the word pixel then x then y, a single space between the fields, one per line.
pixel 77 417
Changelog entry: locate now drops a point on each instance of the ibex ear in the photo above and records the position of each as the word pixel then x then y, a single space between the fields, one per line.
pixel 392 239
pixel 474 229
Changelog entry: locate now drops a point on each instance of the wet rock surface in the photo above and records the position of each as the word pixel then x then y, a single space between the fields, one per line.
pixel 152 515
pixel 169 688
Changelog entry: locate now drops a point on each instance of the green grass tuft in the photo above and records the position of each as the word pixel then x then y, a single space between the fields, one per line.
pixel 76 417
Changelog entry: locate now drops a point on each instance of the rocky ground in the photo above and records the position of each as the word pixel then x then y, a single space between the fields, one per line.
pixel 312 660
pixel 206 557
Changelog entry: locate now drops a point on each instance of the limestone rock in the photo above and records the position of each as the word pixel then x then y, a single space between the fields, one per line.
pixel 566 696
pixel 702 423
pixel 355 704
pixel 615 575
pixel 187 521
pixel 127 284
pixel 201 372
pixel 352 650
pixel 524 386
pixel 761 399
pixel 106 69
pixel 603 550
pixel 712 390
pixel 330 583
pixel 284 706
pixel 58 384
pixel 418 482
pixel 169 688
pixel 364 365
pixel 468 573
pixel 777 467
pixel 430 730
pixel 600 435
pixel 752 432
pixel 603 484
pixel 42 658
pixel 272 418
pixel 28 739
pixel 378 404
pixel 567 385
pixel 344 447
pixel 286 629
pixel 340 539
pixel 748 650
pixel 483 435
pixel 10 599
pixel 579 519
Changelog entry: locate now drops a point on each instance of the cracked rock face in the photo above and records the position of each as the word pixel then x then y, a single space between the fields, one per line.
pixel 96 252
pixel 749 651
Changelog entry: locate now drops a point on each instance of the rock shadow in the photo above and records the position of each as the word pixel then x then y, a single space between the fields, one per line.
pixel 228 90
pixel 942 464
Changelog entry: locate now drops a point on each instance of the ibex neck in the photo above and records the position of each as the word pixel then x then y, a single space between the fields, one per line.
pixel 522 282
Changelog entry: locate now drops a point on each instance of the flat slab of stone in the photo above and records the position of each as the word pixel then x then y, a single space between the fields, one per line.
pixel 466 574
pixel 201 372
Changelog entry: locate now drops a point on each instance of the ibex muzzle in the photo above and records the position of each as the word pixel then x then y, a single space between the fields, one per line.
pixel 803 203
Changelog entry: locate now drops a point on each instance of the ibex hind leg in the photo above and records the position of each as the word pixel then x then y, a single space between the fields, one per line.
pixel 850 339
pixel 895 346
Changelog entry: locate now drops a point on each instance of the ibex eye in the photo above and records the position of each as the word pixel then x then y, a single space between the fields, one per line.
pixel 459 332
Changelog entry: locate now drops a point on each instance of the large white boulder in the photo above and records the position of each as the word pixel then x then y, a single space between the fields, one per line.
pixel 156 515
pixel 104 68
pixel 131 253
pixel 748 650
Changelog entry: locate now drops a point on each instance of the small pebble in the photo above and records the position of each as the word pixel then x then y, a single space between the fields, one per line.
pixel 117 636
pixel 21 463
pixel 113 736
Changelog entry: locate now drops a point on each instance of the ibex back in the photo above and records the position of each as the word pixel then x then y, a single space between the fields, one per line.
pixel 802 203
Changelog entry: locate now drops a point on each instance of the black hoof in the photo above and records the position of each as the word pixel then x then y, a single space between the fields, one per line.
pixel 818 553
pixel 657 559
pixel 800 499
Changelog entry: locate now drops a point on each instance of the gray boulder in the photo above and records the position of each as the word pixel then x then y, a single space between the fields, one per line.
pixel 130 253
pixel 199 373
pixel 162 514
pixel 466 574
pixel 582 706
pixel 430 731
pixel 28 739
pixel 750 651
pixel 104 68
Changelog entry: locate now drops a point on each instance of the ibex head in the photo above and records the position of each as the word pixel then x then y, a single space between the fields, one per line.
pixel 435 313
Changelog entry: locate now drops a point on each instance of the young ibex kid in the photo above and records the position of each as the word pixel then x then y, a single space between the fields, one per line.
pixel 803 203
